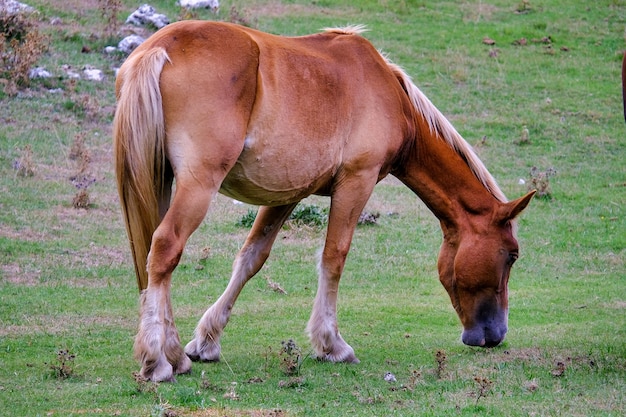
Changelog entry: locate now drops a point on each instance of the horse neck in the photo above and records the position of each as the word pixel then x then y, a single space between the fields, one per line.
pixel 444 181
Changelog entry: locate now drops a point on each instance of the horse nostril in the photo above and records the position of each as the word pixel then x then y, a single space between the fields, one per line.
pixel 474 337
pixel 493 337
pixel 485 337
pixel 492 343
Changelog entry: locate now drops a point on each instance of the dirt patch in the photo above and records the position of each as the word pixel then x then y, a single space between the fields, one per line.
pixel 26 234
pixel 65 324
pixel 279 9
pixel 275 9
pixel 91 257
pixel 217 412
pixel 534 355
pixel 74 4
pixel 14 274
pixel 478 12
pixel 523 354
pixel 179 412
pixel 106 256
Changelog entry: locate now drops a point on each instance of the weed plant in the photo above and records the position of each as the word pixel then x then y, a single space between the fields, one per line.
pixel 63 368
pixel 540 181
pixel 110 10
pixel 21 46
pixel 82 179
pixel 291 357
pixel 24 164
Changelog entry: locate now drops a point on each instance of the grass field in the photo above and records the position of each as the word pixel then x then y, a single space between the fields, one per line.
pixel 529 83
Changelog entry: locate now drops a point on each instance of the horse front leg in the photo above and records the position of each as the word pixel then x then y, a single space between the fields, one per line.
pixel 205 345
pixel 157 344
pixel 346 206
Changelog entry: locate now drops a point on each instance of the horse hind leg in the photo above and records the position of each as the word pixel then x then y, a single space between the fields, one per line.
pixel 174 353
pixel 205 345
pixel 157 345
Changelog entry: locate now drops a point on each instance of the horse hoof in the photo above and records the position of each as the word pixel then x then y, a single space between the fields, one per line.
pixel 183 366
pixel 344 357
pixel 352 359
pixel 159 371
pixel 208 352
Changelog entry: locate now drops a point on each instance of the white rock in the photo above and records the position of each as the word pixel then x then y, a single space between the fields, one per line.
pixel 199 4
pixel 38 72
pixel 147 14
pixel 14 7
pixel 129 43
pixel 70 72
pixel 110 50
pixel 389 377
pixel 93 74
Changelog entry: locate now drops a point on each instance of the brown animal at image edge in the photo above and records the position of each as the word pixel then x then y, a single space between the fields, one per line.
pixel 270 120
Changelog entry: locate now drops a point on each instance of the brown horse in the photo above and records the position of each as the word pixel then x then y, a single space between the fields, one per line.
pixel 270 120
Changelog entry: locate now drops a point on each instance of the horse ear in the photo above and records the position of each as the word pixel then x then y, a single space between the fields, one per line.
pixel 509 211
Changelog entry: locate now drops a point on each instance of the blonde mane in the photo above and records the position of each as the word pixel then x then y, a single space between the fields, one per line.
pixel 347 30
pixel 439 124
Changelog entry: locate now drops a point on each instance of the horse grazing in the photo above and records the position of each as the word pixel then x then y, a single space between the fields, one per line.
pixel 269 120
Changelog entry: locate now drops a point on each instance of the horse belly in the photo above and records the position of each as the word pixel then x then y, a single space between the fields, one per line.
pixel 277 172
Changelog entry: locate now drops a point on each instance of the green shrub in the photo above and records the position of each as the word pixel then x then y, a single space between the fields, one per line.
pixel 303 215
pixel 310 215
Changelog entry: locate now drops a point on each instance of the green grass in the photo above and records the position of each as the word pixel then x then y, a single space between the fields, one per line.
pixel 66 278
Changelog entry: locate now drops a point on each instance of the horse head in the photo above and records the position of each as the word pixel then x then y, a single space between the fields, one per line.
pixel 474 266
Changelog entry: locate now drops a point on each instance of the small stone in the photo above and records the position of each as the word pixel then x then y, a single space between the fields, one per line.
pixel 93 74
pixel 147 14
pixel 199 4
pixel 12 7
pixel 389 377
pixel 38 72
pixel 129 43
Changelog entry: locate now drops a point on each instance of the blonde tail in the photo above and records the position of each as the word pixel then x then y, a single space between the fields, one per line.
pixel 139 146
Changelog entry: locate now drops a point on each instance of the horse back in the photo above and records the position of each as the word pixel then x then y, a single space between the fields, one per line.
pixel 308 109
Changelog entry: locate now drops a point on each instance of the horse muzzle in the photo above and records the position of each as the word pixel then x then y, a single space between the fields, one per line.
pixel 484 336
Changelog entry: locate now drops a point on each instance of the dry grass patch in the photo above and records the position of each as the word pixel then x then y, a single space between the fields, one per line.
pixel 25 234
pixel 74 4
pixel 13 273
pixel 617 305
pixel 277 9
pixel 66 324
pixel 532 354
pixel 220 412
pixel 477 12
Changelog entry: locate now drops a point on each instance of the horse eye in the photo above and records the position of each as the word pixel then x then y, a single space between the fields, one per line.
pixel 512 258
